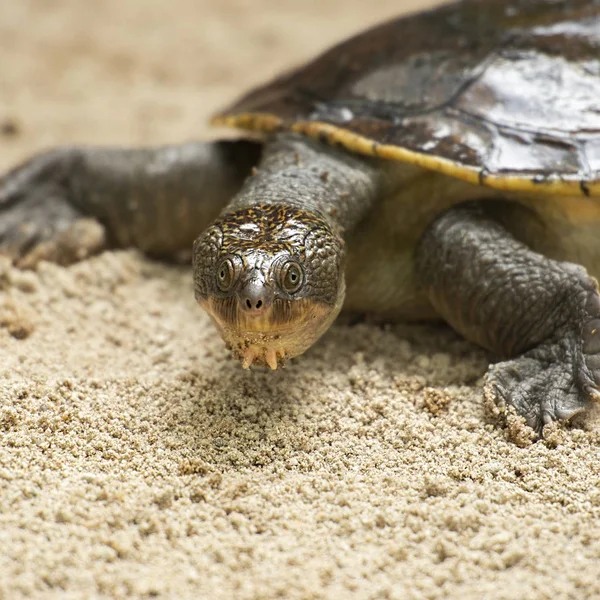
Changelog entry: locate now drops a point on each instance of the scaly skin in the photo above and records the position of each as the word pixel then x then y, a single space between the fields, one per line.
pixel 156 199
pixel 542 314
pixel 270 268
pixel 293 211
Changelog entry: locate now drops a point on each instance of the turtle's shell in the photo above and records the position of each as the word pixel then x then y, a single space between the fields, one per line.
pixel 506 94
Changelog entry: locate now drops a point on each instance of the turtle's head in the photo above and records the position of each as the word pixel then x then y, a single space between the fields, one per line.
pixel 271 277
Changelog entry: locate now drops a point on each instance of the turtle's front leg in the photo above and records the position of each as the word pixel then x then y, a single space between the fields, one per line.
pixel 542 315
pixel 68 203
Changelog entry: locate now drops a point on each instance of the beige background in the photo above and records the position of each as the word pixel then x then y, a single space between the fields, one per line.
pixel 136 460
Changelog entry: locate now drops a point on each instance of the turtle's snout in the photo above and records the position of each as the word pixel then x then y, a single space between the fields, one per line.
pixel 255 297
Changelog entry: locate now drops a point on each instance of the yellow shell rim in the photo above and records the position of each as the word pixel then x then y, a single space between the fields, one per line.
pixel 333 135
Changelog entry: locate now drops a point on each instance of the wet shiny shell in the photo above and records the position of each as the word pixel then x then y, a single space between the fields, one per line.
pixel 506 94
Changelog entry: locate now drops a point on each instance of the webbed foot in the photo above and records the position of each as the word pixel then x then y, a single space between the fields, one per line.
pixel 550 383
pixel 541 314
pixel 38 220
pixel 560 378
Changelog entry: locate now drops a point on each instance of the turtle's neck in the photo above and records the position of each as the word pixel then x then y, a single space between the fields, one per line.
pixel 314 177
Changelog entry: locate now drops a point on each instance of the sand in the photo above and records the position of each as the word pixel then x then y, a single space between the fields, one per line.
pixel 137 460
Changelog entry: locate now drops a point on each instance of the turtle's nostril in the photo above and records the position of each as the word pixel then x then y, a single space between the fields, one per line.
pixel 255 297
pixel 253 304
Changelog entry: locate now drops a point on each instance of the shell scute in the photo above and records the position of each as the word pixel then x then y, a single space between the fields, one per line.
pixel 480 86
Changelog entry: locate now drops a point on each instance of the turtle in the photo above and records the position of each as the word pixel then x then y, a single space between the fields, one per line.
pixel 443 165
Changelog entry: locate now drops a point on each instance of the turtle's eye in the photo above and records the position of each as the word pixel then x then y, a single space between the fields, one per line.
pixel 292 277
pixel 225 275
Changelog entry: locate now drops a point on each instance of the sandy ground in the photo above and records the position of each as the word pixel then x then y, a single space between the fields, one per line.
pixel 136 460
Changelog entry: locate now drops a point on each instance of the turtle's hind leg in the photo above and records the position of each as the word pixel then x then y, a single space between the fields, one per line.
pixel 67 203
pixel 540 314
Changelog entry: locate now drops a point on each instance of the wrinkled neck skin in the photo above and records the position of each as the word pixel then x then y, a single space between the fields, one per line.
pixel 295 208
pixel 314 177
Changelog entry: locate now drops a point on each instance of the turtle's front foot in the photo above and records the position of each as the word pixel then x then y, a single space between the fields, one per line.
pixel 38 219
pixel 552 382
pixel 541 314
pixel 559 378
